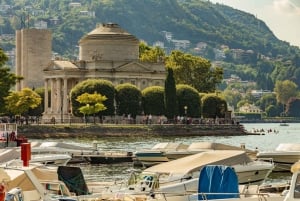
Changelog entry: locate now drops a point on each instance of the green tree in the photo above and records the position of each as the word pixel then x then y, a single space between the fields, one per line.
pixel 171 104
pixel 151 54
pixel 19 103
pixel 153 100
pixel 194 71
pixel 128 100
pixel 232 97
pixel 91 86
pixel 293 106
pixel 272 111
pixel 266 100
pixel 188 101
pixel 213 106
pixel 7 80
pixel 284 91
pixel 93 103
pixel 38 111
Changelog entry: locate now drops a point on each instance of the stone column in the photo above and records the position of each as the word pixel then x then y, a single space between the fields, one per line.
pixel 53 91
pixel 59 99
pixel 138 83
pixel 65 96
pixel 46 99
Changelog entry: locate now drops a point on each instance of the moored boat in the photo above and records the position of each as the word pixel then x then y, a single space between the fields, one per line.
pixel 247 169
pixel 284 156
pixel 164 152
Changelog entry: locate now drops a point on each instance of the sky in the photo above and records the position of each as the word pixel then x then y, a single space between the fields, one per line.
pixel 281 16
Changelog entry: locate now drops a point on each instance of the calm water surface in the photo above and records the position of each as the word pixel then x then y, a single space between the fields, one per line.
pixel 269 141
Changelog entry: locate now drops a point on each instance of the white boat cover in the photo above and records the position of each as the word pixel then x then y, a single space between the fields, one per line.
pixel 169 146
pixel 195 162
pixel 9 154
pixel 16 176
pixel 213 146
pixel 288 147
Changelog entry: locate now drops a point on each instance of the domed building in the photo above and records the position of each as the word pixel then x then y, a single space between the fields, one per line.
pixel 108 52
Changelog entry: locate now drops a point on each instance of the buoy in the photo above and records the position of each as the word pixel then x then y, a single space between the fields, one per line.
pixel 25 154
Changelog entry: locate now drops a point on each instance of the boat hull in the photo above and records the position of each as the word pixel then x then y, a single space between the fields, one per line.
pixel 148 158
pixel 282 160
pixel 108 159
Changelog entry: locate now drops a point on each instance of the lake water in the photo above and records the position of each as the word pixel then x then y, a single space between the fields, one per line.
pixel 269 141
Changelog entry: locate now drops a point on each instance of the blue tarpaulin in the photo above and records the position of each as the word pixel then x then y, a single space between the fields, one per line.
pixel 217 179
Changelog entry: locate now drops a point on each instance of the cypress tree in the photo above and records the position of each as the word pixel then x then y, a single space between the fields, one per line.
pixel 170 96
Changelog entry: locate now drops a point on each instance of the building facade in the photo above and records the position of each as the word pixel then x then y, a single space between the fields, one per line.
pixel 108 52
pixel 33 54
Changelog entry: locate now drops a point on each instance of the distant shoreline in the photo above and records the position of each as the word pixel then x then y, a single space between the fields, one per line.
pixel 123 130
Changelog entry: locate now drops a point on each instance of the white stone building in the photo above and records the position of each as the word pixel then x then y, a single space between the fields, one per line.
pixel 108 52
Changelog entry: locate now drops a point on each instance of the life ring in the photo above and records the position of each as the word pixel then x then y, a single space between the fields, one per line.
pixel 2 192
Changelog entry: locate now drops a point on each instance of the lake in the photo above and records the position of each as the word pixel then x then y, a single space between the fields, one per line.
pixel 269 141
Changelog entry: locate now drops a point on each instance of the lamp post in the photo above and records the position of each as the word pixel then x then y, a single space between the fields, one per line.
pixel 185 113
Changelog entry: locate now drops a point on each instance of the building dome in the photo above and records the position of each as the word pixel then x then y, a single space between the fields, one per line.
pixel 108 42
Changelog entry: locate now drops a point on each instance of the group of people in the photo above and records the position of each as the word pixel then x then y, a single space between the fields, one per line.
pixel 263 131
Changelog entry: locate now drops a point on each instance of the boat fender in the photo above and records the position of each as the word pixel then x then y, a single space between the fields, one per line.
pixel 2 192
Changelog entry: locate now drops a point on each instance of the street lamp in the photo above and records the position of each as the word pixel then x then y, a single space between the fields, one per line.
pixel 185 112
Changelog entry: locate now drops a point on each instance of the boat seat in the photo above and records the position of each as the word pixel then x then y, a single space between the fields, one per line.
pixel 242 188
pixel 31 195
pixel 251 190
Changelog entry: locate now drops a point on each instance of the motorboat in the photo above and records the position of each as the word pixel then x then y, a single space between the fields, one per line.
pixel 284 156
pixel 158 153
pixel 40 182
pixel 164 152
pixel 247 169
pixel 214 182
pixel 284 124
pixel 51 159
pixel 175 180
pixel 81 153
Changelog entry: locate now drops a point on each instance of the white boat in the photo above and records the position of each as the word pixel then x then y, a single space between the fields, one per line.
pixel 157 154
pixel 39 182
pixel 81 153
pixel 284 124
pixel 163 152
pixel 284 156
pixel 51 159
pixel 247 169
pixel 215 182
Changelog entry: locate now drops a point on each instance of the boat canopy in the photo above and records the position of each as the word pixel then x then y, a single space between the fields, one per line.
pixel 192 163
pixel 212 146
pixel 20 176
pixel 217 182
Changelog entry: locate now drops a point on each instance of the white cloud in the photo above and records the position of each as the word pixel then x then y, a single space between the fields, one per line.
pixel 288 7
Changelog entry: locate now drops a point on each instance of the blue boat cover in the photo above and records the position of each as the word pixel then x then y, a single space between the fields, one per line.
pixel 217 179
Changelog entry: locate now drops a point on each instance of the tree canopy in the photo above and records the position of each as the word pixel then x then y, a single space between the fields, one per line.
pixel 128 100
pixel 171 103
pixel 19 103
pixel 7 80
pixel 194 71
pixel 285 90
pixel 103 87
pixel 93 103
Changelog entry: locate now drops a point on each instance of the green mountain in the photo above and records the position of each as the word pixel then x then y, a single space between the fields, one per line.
pixel 193 20
pixel 150 20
